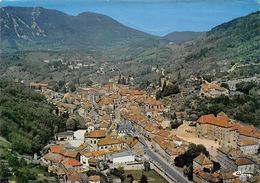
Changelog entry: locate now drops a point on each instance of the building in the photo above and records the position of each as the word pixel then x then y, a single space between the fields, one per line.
pixel 39 86
pixel 91 94
pixel 56 148
pixel 233 160
pixel 64 136
pixel 248 146
pixel 84 158
pixel 226 156
pixel 151 105
pixel 72 164
pixel 212 90
pixel 202 162
pixel 215 128
pixel 245 167
pixel 122 157
pixel 93 138
pixel 200 176
pixel 94 179
pixel 51 158
pixel 108 143
pixel 246 132
pixel 228 177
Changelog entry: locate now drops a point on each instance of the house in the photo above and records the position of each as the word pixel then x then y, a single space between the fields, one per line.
pixel 149 130
pixel 228 177
pixel 84 158
pixel 94 179
pixel 245 167
pixel 104 125
pixel 109 143
pixel 79 134
pixel 172 152
pixel 226 156
pixel 246 132
pixel 64 136
pixel 91 94
pixel 73 176
pixel 125 128
pixel 108 102
pixel 93 138
pixel 51 158
pixel 248 146
pixel 70 154
pixel 212 90
pixel 202 162
pixel 122 157
pixel 151 105
pixel 206 177
pixel 72 164
pixel 56 148
pixel 90 127
pixel 39 86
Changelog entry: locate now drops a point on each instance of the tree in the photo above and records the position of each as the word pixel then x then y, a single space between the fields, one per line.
pixel 72 87
pixel 129 178
pixel 245 87
pixel 224 85
pixel 118 173
pixel 147 166
pixel 143 179
pixel 4 172
pixel 192 152
pixel 188 171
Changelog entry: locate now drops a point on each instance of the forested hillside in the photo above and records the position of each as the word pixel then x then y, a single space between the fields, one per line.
pixel 26 120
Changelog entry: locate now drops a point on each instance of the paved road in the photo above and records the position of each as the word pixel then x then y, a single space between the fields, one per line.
pixel 169 169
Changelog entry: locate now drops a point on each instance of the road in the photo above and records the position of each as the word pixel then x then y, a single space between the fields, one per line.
pixel 166 167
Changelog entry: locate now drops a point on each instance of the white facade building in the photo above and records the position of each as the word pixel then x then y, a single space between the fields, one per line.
pixel 248 146
pixel 123 157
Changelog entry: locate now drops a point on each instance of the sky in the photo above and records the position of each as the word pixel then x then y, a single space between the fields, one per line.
pixel 158 17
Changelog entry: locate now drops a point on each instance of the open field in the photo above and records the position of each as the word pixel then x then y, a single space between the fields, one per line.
pixel 187 133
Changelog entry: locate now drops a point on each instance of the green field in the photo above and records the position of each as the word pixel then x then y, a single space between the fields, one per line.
pixel 152 176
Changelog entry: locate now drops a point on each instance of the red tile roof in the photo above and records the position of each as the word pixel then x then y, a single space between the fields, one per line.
pixel 68 162
pixel 246 130
pixel 56 148
pixel 222 121
pixel 96 134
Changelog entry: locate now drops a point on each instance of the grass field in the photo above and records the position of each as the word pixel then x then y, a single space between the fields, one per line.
pixel 152 176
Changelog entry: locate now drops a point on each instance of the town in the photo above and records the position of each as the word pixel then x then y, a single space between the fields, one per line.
pixel 128 129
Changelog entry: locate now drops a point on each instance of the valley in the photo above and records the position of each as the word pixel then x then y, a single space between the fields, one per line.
pixel 87 97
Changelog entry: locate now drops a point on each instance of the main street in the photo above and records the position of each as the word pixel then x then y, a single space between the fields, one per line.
pixel 169 169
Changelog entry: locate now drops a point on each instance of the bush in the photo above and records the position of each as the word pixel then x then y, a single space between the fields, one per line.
pixel 147 166
pixel 143 179
pixel 245 87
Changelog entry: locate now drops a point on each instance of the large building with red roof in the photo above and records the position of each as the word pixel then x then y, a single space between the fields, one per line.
pixel 226 131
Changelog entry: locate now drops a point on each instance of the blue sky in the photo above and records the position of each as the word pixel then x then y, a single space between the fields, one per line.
pixel 157 17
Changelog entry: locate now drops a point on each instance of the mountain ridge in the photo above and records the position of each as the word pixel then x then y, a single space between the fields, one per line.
pixel 25 28
pixel 183 36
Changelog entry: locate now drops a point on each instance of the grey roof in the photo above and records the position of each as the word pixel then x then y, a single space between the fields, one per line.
pixel 125 125
pixel 67 133
pixel 122 154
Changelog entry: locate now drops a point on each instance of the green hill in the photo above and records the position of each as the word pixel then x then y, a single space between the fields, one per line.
pixel 234 42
